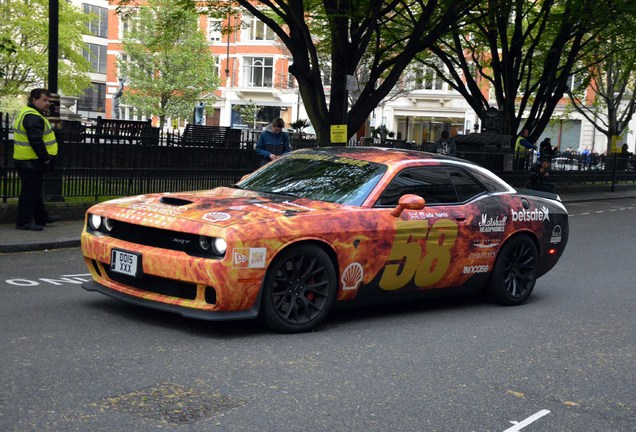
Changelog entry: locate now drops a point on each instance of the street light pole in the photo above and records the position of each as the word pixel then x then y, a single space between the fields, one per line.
pixel 54 21
pixel 53 179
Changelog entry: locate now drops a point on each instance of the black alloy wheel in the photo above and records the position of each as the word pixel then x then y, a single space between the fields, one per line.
pixel 514 275
pixel 300 289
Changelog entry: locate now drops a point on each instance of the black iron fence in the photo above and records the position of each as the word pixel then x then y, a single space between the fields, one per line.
pixel 115 158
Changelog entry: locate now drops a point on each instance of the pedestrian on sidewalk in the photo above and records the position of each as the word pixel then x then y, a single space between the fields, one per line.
pixel 446 145
pixel 34 151
pixel 540 177
pixel 273 142
pixel 523 150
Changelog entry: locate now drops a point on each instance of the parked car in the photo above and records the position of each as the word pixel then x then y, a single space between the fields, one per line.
pixel 321 226
pixel 564 164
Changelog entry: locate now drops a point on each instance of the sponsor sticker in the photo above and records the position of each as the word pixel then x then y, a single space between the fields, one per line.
pixel 155 207
pixel 352 276
pixel 487 244
pixel 215 216
pixel 556 234
pixel 490 224
pixel 476 269
pixel 481 255
pixel 535 215
pixel 426 215
pixel 249 257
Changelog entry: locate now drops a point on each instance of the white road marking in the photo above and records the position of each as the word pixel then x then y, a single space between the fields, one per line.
pixel 534 417
pixel 64 279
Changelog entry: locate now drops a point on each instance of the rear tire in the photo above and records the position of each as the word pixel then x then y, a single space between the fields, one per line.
pixel 514 275
pixel 299 290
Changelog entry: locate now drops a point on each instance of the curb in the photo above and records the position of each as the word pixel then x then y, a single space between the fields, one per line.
pixel 68 211
pixel 36 247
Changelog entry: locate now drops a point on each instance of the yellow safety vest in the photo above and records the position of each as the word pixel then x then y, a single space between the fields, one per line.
pixel 519 148
pixel 22 150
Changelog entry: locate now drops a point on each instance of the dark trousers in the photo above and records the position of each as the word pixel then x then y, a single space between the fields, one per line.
pixel 31 204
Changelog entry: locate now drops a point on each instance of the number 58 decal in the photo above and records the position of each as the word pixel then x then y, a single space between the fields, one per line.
pixel 407 259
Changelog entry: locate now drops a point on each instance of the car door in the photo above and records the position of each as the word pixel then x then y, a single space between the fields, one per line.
pixel 429 245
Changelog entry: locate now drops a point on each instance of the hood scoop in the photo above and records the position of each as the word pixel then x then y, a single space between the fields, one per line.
pixel 174 201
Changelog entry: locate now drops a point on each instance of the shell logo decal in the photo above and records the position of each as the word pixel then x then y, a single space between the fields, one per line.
pixel 352 276
pixel 215 216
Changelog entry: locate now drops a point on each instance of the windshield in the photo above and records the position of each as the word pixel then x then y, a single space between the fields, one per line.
pixel 318 176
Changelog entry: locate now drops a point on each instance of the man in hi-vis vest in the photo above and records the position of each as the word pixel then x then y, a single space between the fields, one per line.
pixel 34 151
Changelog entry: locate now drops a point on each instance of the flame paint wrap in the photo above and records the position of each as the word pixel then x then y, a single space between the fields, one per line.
pixel 373 251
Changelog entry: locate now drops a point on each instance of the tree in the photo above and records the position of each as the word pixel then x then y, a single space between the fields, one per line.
pixel 24 41
pixel 299 125
pixel 607 97
pixel 249 113
pixel 384 34
pixel 168 64
pixel 524 52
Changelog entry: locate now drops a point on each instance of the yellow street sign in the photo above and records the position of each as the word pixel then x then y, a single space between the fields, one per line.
pixel 617 143
pixel 339 133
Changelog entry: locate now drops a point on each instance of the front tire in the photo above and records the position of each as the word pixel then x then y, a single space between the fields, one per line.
pixel 515 272
pixel 300 289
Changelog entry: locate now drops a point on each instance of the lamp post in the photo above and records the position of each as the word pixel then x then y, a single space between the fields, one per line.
pixel 54 21
pixel 53 180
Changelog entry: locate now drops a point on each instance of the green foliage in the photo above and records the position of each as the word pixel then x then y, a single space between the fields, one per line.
pixel 169 66
pixel 24 39
pixel 381 131
pixel 608 100
pixel 12 104
pixel 524 53
pixel 330 41
pixel 249 113
pixel 299 125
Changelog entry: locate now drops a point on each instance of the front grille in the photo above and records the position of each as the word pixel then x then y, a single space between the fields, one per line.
pixel 157 237
pixel 154 236
pixel 156 284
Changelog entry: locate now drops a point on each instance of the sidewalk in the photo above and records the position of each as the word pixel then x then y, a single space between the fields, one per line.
pixel 66 233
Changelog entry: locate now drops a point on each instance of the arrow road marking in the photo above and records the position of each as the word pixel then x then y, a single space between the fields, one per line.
pixel 520 425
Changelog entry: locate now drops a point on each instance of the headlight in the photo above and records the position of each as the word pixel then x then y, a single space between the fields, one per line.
pixel 108 224
pixel 95 221
pixel 204 243
pixel 220 246
pixel 212 245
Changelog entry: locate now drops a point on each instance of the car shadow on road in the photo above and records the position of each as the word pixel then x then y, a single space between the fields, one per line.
pixel 344 314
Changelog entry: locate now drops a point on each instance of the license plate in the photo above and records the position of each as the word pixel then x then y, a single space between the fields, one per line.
pixel 124 262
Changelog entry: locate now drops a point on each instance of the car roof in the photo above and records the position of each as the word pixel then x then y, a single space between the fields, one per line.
pixel 398 159
pixel 386 155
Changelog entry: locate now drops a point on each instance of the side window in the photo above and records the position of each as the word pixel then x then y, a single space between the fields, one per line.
pixel 466 186
pixel 431 183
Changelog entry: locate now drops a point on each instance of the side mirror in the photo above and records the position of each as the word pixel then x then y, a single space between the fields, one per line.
pixel 408 202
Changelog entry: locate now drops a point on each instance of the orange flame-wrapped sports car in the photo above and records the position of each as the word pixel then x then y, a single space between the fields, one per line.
pixel 320 226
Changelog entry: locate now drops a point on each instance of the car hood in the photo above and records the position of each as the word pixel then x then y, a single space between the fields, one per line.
pixel 221 207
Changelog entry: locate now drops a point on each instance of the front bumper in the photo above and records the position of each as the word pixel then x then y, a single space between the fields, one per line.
pixel 184 311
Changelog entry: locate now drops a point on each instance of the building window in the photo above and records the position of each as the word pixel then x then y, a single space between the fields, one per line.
pixel 575 84
pixel 214 30
pixel 99 25
pixel 431 79
pixel 255 29
pixel 217 66
pixel 428 78
pixel 96 55
pixel 258 71
pixel 94 98
pixel 128 23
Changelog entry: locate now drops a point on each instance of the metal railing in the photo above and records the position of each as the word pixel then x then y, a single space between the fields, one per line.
pixel 95 163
